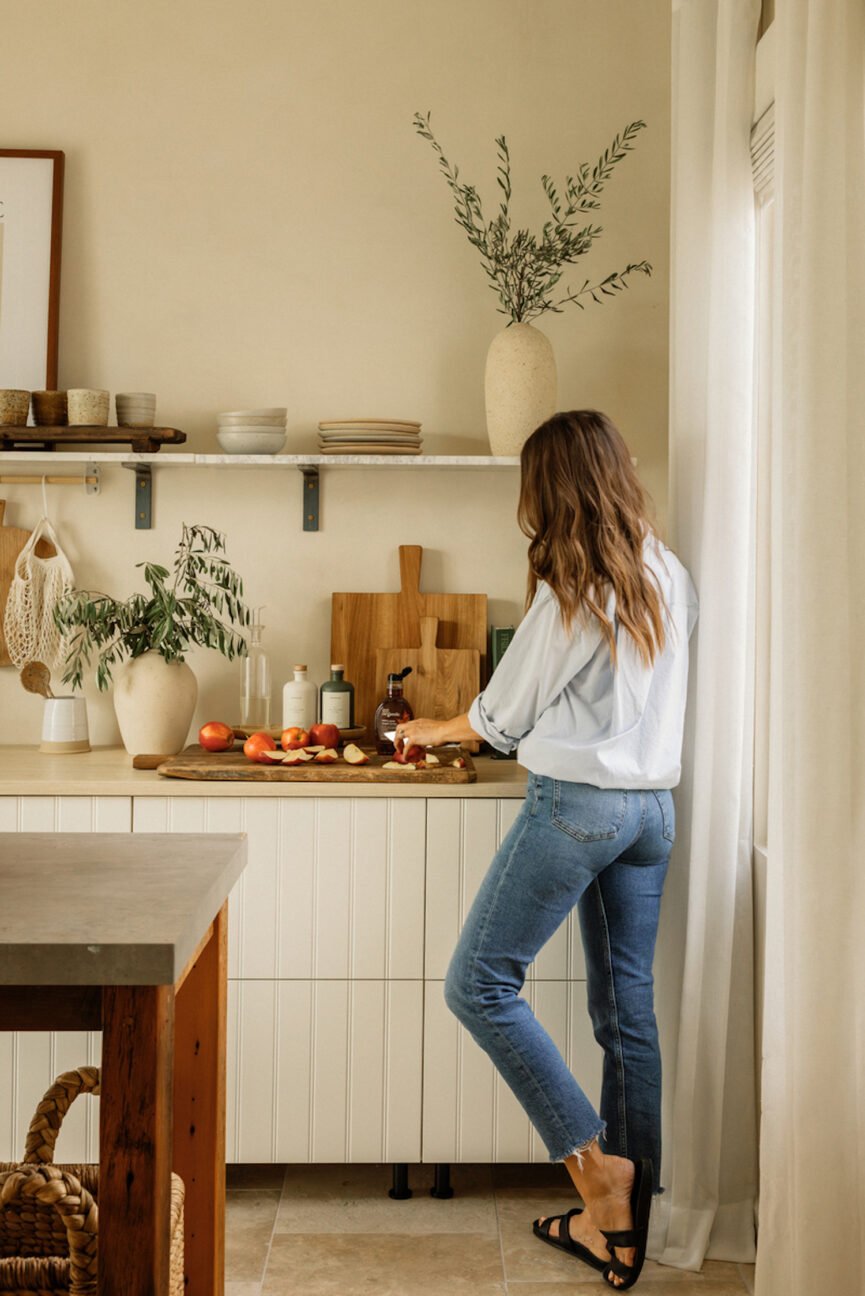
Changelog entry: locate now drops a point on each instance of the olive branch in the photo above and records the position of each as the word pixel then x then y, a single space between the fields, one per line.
pixel 523 269
pixel 200 601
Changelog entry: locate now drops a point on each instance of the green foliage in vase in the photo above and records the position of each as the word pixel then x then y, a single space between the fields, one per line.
pixel 524 269
pixel 200 601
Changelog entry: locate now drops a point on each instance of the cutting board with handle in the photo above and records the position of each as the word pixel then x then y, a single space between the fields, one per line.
pixel 195 763
pixel 443 682
pixel 12 541
pixel 362 623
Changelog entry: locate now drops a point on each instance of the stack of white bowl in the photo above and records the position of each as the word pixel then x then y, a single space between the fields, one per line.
pixel 252 431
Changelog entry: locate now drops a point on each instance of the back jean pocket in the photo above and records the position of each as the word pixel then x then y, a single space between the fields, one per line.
pixel 664 799
pixel 588 813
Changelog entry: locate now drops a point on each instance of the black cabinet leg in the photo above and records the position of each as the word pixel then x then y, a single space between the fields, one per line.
pixel 442 1185
pixel 400 1190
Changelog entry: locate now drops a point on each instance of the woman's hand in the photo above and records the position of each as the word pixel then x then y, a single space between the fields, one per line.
pixel 434 733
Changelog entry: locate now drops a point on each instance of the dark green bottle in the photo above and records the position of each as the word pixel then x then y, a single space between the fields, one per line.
pixel 337 700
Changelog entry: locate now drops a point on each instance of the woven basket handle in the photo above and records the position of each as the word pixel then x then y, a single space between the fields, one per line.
pixel 52 1186
pixel 45 1125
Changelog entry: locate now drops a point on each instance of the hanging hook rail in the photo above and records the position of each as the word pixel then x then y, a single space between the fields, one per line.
pixel 91 480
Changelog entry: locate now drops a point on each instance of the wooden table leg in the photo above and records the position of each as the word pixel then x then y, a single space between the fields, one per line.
pixel 135 1140
pixel 199 1110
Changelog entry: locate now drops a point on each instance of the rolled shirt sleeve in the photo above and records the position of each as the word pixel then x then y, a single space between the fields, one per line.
pixel 541 660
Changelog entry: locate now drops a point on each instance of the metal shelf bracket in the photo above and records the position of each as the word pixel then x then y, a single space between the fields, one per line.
pixel 311 496
pixel 92 479
pixel 143 495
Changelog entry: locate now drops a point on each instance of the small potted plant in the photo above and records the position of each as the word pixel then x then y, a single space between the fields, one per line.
pixel 200 601
pixel 524 270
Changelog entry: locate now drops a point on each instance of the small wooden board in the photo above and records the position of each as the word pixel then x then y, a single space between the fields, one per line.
pixel 141 440
pixel 195 763
pixel 444 681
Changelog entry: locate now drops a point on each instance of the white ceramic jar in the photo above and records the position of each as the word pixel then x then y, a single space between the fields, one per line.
pixel 299 700
pixel 154 700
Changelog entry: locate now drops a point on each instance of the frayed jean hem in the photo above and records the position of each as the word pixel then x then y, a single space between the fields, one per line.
pixel 580 1147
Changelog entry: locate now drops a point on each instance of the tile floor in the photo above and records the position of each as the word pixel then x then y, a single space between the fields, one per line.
pixel 333 1231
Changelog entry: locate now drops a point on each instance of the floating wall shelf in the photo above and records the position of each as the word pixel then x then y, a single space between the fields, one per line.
pixel 309 465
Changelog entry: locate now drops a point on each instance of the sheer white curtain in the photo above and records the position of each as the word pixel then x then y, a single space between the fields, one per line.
pixel 812 1154
pixel 710 1160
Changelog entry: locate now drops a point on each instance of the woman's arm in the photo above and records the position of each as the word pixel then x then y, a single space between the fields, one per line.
pixel 433 733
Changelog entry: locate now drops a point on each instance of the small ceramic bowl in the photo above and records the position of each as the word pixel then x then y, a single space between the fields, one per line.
pixel 14 406
pixel 252 441
pixel 49 408
pixel 87 407
pixel 275 412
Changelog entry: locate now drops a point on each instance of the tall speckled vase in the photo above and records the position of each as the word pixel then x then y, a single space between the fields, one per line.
pixel 520 386
pixel 154 701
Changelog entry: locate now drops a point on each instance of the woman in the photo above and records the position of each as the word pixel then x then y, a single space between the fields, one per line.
pixel 591 692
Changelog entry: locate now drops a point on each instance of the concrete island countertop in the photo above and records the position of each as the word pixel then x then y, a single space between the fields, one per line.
pixel 107 771
pixel 110 908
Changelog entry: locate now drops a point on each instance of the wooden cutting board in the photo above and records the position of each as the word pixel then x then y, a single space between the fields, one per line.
pixel 195 763
pixel 12 541
pixel 443 682
pixel 363 623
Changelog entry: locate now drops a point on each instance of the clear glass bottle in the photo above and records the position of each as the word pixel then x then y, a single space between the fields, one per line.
pixel 390 712
pixel 299 700
pixel 337 699
pixel 255 680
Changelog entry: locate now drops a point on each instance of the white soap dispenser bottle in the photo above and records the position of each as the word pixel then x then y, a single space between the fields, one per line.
pixel 299 700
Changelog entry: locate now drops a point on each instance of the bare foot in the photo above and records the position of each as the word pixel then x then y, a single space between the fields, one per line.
pixel 583 1229
pixel 610 1205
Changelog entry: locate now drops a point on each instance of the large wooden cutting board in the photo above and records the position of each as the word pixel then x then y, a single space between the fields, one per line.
pixel 12 541
pixel 443 682
pixel 363 623
pixel 195 763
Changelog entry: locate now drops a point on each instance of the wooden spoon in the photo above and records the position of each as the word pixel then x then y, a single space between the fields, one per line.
pixel 36 678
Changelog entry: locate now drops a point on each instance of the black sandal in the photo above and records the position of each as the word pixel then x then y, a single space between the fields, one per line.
pixel 565 1242
pixel 636 1237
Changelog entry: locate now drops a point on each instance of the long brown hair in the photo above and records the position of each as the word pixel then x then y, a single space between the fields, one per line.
pixel 587 515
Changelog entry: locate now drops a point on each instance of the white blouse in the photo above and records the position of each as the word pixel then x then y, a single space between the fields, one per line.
pixel 557 699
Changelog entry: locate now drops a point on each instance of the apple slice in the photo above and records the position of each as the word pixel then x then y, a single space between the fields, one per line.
pixel 354 756
pixel 293 757
pixel 314 750
pixel 328 756
pixel 431 759
pixel 270 757
pixel 459 763
pixel 397 765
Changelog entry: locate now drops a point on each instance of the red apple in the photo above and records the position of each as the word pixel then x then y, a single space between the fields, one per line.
pixel 327 757
pixel 294 738
pixel 216 736
pixel 325 735
pixel 416 754
pixel 256 744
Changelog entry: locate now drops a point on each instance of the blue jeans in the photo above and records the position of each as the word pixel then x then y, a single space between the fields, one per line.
pixel 606 851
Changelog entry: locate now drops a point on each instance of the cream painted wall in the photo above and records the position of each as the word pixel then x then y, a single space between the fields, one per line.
pixel 251 220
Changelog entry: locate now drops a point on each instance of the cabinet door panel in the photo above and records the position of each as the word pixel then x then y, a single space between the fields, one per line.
pixel 331 889
pixel 30 1061
pixel 469 1112
pixel 462 838
pixel 324 1071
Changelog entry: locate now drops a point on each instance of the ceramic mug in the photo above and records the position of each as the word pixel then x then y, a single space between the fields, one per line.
pixel 64 726
pixel 49 408
pixel 14 407
pixel 88 407
pixel 135 409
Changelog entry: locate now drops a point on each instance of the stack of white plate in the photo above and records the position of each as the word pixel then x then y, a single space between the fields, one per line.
pixel 252 431
pixel 370 436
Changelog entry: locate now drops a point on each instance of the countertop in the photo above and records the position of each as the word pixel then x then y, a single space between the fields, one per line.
pixel 110 908
pixel 107 771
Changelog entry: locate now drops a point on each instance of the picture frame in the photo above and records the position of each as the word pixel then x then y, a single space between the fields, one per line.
pixel 31 228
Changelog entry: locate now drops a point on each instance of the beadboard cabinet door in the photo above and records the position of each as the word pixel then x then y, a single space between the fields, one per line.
pixel 30 1061
pixel 324 1071
pixel 333 887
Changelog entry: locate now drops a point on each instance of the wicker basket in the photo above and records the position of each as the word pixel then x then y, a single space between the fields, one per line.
pixel 49 1219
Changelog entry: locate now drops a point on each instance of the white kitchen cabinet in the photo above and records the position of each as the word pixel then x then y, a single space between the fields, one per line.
pixel 30 1061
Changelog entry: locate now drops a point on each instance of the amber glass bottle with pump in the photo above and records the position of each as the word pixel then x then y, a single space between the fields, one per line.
pixel 390 712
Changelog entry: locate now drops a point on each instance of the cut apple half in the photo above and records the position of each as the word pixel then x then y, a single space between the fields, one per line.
pixel 353 755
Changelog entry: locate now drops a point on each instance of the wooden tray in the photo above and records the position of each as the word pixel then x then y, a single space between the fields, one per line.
pixel 141 440
pixel 195 763
pixel 276 731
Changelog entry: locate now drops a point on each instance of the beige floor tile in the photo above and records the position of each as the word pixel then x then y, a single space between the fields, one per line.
pixel 249 1219
pixel 353 1199
pixel 526 1258
pixel 597 1286
pixel 242 1289
pixel 263 1177
pixel 526 1178
pixel 384 1264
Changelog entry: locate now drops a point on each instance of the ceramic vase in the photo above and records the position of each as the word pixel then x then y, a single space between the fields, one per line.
pixel 154 701
pixel 520 386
